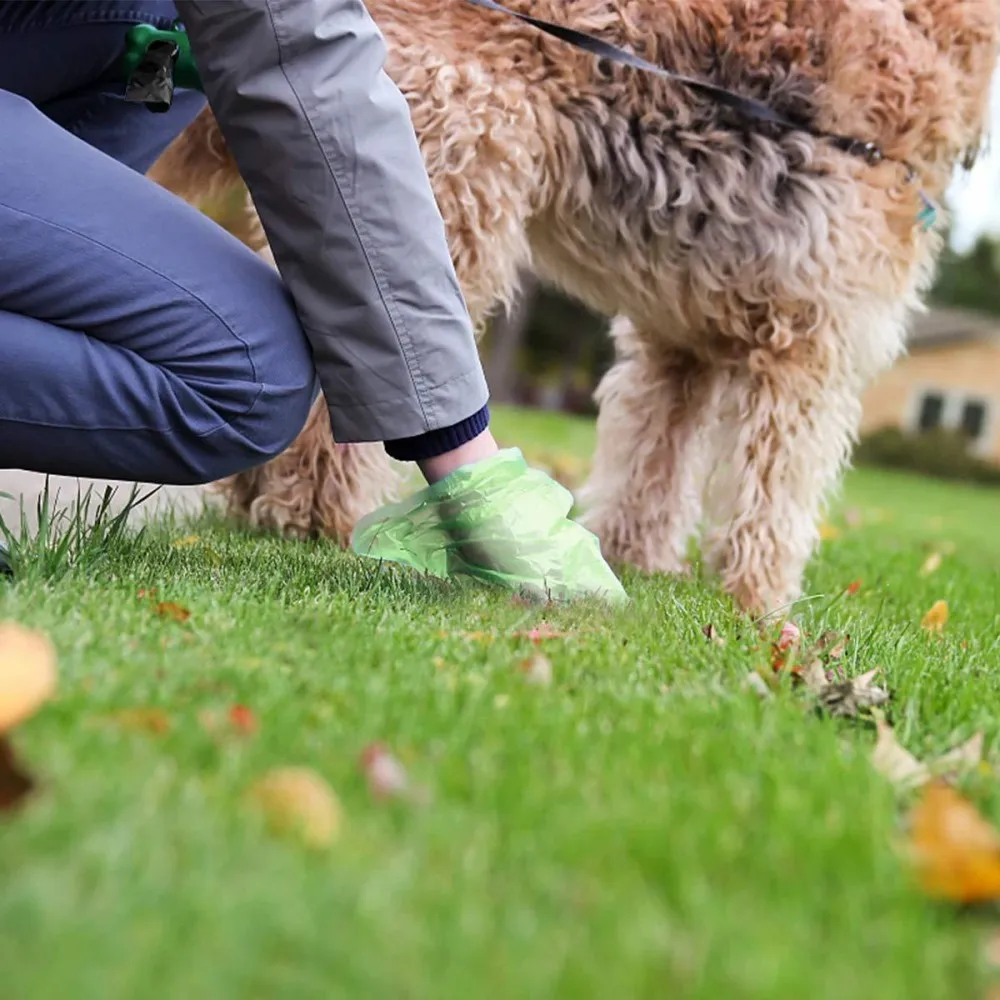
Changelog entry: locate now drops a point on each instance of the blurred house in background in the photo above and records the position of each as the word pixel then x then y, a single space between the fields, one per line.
pixel 949 380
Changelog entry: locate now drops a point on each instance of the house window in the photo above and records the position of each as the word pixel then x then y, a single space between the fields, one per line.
pixel 973 419
pixel 931 411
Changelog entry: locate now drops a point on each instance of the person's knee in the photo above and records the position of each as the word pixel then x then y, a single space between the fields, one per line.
pixel 276 418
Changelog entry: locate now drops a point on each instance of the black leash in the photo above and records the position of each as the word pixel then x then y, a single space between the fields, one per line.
pixel 748 108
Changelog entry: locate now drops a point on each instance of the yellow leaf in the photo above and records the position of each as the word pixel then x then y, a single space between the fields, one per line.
pixel 27 673
pixel 186 542
pixel 936 618
pixel 296 801
pixel 956 852
pixel 931 564
pixel 142 720
pixel 828 532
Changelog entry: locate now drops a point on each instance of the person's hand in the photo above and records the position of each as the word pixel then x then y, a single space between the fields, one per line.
pixel 497 521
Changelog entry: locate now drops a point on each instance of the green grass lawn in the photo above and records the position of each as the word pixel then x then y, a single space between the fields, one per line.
pixel 643 827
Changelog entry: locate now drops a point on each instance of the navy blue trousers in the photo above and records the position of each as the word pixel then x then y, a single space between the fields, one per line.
pixel 138 340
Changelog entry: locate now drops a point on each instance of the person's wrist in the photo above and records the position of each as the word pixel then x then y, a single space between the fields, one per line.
pixel 481 447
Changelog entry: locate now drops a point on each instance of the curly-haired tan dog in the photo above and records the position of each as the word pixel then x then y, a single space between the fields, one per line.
pixel 760 279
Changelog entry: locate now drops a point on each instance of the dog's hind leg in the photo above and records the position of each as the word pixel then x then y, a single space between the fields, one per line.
pixel 788 419
pixel 643 497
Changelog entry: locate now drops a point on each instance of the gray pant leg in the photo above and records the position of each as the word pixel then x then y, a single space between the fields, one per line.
pixel 325 143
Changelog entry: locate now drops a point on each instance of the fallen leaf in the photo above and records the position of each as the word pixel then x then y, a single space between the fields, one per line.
pixel 854 587
pixel 892 760
pixel 965 757
pixel 826 640
pixel 27 673
pixel 955 850
pixel 537 670
pixel 853 517
pixel 790 636
pixel 814 677
pixel 711 633
pixel 15 783
pixel 167 609
pixel 541 632
pixel 837 651
pixel 828 532
pixel 847 699
pixel 936 618
pixel 387 777
pixel 297 802
pixel 901 767
pixel 243 719
pixel 142 720
pixel 931 564
pixel 186 542
pixel 991 949
pixel 758 685
pixel 484 637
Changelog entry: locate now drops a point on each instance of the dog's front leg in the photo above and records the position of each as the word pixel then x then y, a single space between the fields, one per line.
pixel 787 424
pixel 643 497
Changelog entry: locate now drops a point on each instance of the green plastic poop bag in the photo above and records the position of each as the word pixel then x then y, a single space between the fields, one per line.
pixel 497 521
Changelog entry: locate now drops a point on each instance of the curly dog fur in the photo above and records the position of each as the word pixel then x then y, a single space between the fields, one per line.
pixel 759 279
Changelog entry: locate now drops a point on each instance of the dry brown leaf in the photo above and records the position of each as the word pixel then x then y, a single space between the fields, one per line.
pixel 167 609
pixel 955 850
pixel 890 759
pixel 297 802
pixel 142 720
pixel 15 783
pixel 957 761
pixel 846 699
pixel 541 632
pixel 837 652
pixel 902 768
pixel 931 564
pixel 991 949
pixel 711 633
pixel 758 685
pixel 537 669
pixel 936 618
pixel 27 673
pixel 814 677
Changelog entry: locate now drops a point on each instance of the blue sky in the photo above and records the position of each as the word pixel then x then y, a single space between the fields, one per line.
pixel 975 198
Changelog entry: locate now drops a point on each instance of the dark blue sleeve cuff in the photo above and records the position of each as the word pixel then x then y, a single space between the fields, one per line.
pixel 433 443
